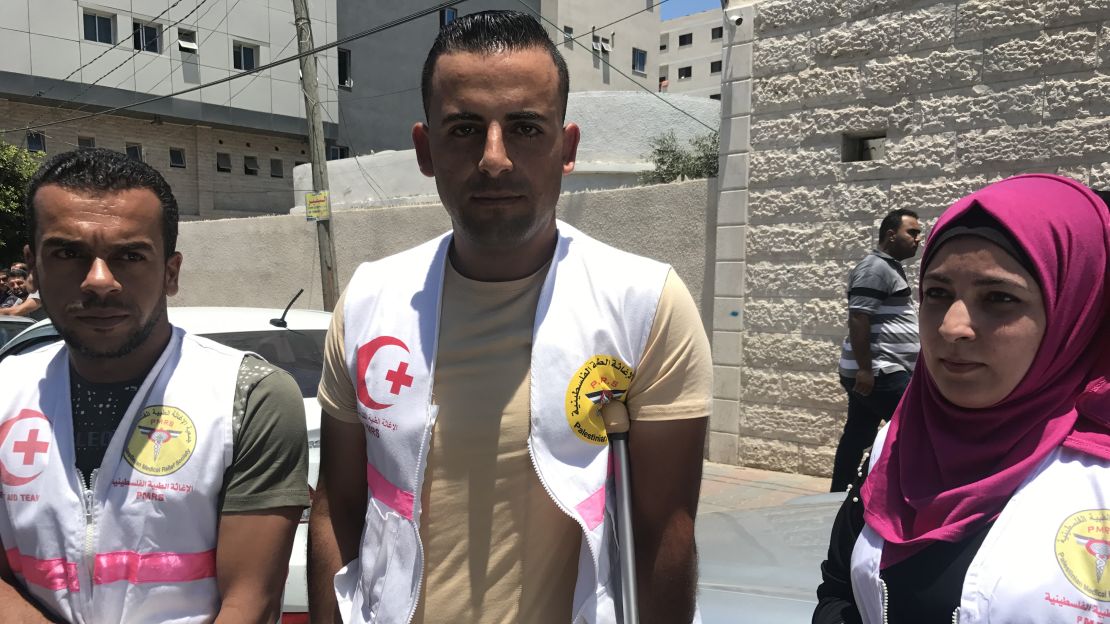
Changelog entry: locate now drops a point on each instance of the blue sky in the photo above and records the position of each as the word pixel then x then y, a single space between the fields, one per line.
pixel 678 8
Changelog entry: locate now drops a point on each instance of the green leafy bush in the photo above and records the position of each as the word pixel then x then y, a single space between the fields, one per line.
pixel 682 162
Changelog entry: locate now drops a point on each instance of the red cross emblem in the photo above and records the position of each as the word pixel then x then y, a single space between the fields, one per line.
pixel 397 377
pixel 24 445
pixel 30 447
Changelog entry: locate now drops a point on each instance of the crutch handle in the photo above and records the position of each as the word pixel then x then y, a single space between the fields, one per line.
pixel 615 417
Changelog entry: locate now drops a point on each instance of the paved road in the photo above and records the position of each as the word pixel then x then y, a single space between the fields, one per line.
pixel 728 488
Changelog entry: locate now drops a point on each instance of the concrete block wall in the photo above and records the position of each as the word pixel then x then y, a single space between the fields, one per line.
pixel 262 261
pixel 202 192
pixel 965 91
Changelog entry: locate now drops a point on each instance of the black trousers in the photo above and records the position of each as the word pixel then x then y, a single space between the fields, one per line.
pixel 864 415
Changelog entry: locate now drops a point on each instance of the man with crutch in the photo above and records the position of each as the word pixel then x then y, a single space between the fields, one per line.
pixel 464 456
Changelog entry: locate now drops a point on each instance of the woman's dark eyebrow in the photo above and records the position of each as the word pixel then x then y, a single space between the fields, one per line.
pixel 982 281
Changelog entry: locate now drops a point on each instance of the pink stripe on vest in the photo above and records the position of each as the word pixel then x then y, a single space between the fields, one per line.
pixel 52 574
pixel 592 509
pixel 392 496
pixel 155 567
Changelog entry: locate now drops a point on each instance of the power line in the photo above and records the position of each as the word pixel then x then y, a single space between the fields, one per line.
pixel 260 68
pixel 613 67
pixel 90 85
pixel 374 186
pixel 211 32
pixel 631 15
pixel 116 45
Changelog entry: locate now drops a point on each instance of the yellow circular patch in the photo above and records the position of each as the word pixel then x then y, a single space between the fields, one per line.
pixel 602 379
pixel 162 442
pixel 1083 550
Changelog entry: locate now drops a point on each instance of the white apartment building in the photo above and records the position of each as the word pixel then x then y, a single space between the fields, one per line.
pixel 379 89
pixel 228 149
pixel 690 49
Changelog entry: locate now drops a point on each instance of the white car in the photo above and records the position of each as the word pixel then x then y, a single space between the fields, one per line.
pixel 293 342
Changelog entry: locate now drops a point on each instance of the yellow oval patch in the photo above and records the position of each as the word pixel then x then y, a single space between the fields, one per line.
pixel 1083 550
pixel 602 379
pixel 162 441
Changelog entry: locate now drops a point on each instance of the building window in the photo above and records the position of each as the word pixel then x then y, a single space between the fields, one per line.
pixel 223 162
pixel 717 33
pixel 602 45
pixel 685 72
pixel 345 69
pixel 98 28
pixel 568 36
pixel 663 83
pixel 244 56
pixel 863 147
pixel 714 67
pixel 36 141
pixel 685 40
pixel 86 142
pixel 639 61
pixel 134 150
pixel 277 168
pixel 336 152
pixel 147 37
pixel 664 41
pixel 448 15
pixel 187 40
pixel 250 165
pixel 177 157
pixel 715 96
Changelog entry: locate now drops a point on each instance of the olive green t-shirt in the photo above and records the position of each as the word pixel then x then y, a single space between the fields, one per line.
pixel 269 466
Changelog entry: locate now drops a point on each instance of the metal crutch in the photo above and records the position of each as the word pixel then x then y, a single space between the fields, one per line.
pixel 615 416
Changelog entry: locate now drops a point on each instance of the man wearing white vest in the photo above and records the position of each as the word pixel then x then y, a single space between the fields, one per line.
pixel 148 475
pixel 464 460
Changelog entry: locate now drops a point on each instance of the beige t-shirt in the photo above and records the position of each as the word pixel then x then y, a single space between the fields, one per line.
pixel 497 549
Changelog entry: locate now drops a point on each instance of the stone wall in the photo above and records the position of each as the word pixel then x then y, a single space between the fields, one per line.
pixel 966 92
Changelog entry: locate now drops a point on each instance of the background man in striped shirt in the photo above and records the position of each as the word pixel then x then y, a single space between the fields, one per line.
pixel 882 344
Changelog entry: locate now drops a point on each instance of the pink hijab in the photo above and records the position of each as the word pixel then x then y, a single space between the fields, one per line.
pixel 946 471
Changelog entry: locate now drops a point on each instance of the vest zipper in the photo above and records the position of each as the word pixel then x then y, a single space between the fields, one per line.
pixel 956 616
pixel 429 426
pixel 581 524
pixel 90 520
pixel 88 503
pixel 885 601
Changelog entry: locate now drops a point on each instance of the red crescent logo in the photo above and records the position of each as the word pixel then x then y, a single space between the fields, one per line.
pixel 366 353
pixel 5 476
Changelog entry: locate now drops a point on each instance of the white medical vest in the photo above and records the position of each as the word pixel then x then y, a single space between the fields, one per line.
pixel 139 545
pixel 594 315
pixel 1043 561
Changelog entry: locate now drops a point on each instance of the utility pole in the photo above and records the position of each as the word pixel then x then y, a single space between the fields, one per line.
pixel 318 159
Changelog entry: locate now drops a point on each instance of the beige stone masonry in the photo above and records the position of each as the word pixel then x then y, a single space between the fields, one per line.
pixel 965 92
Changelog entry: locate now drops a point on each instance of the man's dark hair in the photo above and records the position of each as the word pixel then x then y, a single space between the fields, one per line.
pixel 491 32
pixel 103 171
pixel 893 220
pixel 20 273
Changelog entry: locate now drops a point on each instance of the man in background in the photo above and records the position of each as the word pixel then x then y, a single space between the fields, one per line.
pixel 881 349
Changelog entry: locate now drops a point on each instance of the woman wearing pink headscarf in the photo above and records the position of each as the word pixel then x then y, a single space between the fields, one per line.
pixel 987 498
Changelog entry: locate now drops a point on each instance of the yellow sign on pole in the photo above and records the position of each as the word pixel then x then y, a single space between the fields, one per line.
pixel 317 207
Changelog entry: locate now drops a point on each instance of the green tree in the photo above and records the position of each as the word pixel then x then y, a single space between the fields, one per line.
pixel 679 162
pixel 17 165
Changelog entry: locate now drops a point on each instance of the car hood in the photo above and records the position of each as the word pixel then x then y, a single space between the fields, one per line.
pixel 765 562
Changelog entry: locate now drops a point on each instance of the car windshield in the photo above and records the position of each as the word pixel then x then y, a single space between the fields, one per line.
pixel 298 352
